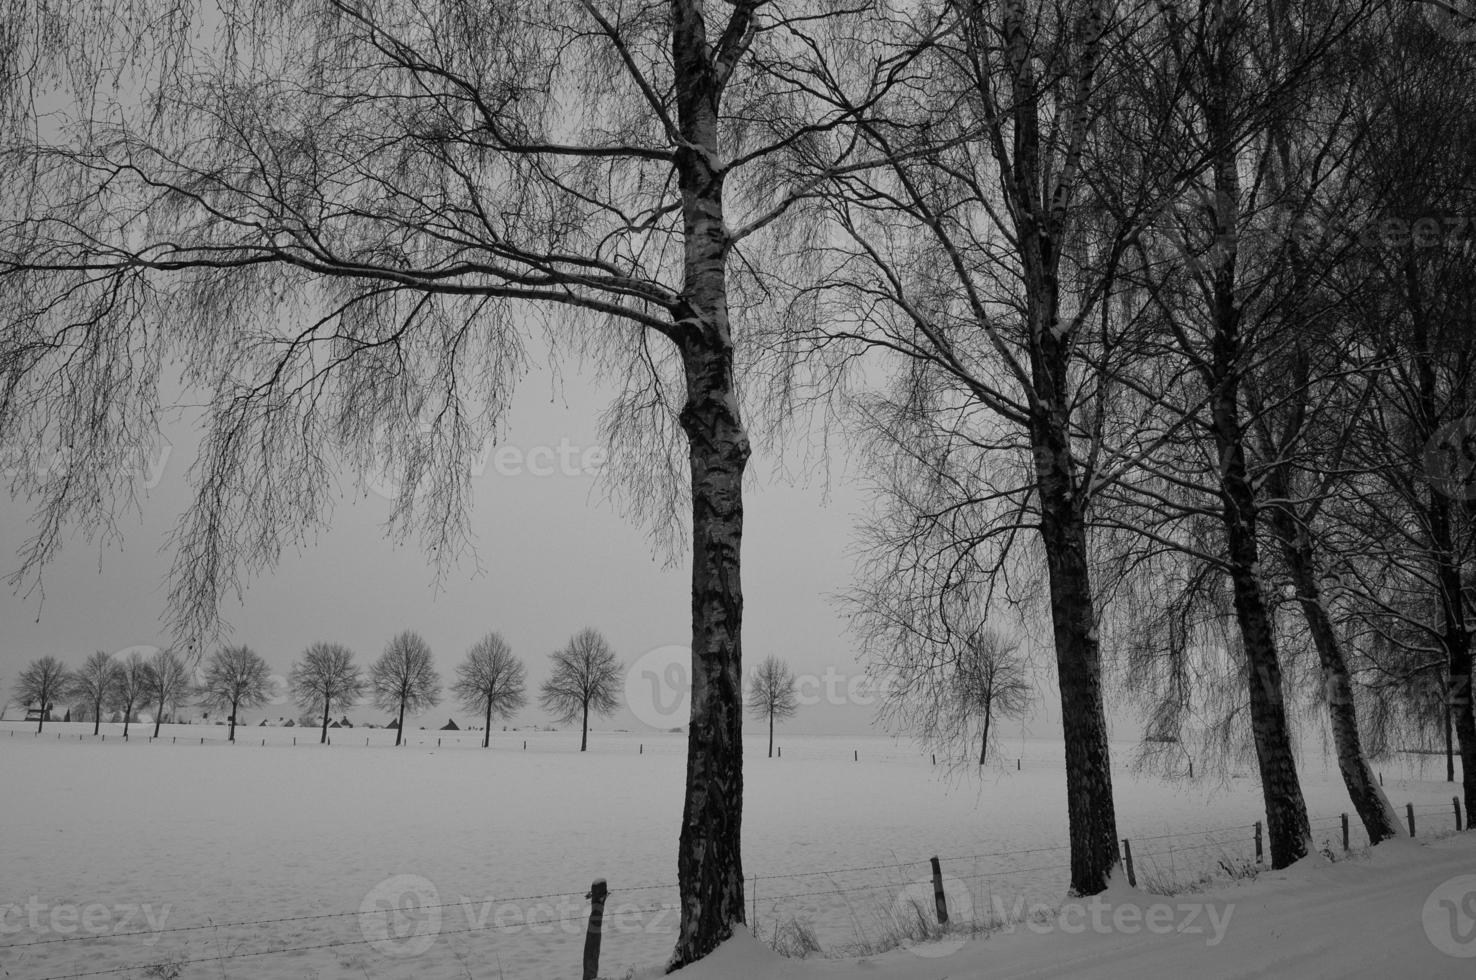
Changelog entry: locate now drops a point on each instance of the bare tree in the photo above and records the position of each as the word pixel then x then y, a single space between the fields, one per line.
pixel 167 683
pixel 404 679
pixel 43 682
pixel 235 677
pixel 326 679
pixel 586 678
pixel 491 681
pixel 947 695
pixel 990 678
pixel 408 185
pixel 93 682
pixel 772 693
pixel 130 688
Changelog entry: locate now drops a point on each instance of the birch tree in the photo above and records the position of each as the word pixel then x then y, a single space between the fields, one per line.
pixel 342 221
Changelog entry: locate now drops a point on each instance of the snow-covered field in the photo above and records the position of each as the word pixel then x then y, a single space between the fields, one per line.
pixel 174 853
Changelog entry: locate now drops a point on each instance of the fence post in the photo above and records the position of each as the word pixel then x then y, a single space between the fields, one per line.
pixel 1455 801
pixel 1345 831
pixel 855 755
pixel 596 896
pixel 1017 765
pixel 1259 859
pixel 939 899
pixel 1409 812
pixel 1127 860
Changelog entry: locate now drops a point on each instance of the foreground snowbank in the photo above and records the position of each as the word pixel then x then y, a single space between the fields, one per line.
pixel 1405 909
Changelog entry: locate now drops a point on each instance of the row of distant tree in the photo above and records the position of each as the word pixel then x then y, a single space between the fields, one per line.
pixel 492 681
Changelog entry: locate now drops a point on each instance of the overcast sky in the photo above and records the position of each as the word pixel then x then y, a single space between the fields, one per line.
pixel 556 556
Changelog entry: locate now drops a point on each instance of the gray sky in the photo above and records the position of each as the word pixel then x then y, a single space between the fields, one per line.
pixel 556 556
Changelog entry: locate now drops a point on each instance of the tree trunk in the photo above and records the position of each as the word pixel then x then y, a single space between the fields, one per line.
pixel 709 858
pixel 771 733
pixel 1089 797
pixel 323 735
pixel 127 714
pixel 400 724
pixel 1378 816
pixel 709 863
pixel 159 718
pixel 1456 636
pixel 1447 721
pixel 235 706
pixel 1286 811
pixel 584 729
pixel 487 729
pixel 96 717
pixel 984 742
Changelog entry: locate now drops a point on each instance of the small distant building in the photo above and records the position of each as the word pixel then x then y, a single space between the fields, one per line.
pixel 450 726
pixel 394 723
pixel 38 714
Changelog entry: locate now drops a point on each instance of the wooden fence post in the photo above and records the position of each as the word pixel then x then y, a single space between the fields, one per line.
pixel 596 896
pixel 1127 860
pixel 1259 858
pixel 1345 831
pixel 1455 801
pixel 939 899
pixel 1409 812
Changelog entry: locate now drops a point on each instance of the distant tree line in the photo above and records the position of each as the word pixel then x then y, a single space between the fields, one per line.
pixel 490 681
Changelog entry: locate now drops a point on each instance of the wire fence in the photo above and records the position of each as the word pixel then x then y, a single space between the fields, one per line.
pixel 983 889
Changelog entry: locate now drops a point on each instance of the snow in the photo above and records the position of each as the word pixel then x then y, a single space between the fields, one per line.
pixel 1374 916
pixel 103 839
